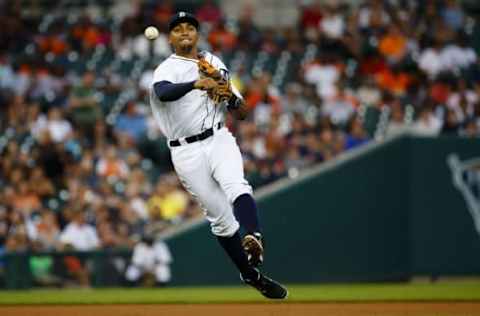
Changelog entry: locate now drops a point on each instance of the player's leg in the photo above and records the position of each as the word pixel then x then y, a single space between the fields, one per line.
pixel 227 165
pixel 133 275
pixel 163 274
pixel 193 171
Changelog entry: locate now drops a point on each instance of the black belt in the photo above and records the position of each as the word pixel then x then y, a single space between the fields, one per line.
pixel 191 139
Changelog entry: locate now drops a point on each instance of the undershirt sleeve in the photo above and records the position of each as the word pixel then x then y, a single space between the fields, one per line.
pixel 167 91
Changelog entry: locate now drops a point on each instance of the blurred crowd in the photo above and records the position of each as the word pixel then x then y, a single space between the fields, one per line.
pixel 83 165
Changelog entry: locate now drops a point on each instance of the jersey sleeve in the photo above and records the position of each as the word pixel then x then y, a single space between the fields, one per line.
pixel 165 72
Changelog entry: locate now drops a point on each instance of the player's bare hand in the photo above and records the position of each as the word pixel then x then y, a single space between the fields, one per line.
pixel 207 84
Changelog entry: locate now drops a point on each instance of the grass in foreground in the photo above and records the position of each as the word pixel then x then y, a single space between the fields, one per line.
pixel 442 291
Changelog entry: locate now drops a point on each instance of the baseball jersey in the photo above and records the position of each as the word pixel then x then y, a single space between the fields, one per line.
pixel 195 111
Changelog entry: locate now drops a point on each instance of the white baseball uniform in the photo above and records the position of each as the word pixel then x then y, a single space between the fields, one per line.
pixel 210 169
pixel 154 259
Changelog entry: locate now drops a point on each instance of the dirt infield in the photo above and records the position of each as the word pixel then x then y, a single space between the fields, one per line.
pixel 279 309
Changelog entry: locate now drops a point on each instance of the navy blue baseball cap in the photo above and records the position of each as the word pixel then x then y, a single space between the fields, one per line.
pixel 181 17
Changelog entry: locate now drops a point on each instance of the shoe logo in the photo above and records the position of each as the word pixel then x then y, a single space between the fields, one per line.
pixel 466 178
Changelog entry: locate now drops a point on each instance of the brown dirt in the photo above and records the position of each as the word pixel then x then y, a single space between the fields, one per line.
pixel 278 309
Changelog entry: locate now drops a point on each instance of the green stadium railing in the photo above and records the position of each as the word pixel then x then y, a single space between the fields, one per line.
pixel 19 271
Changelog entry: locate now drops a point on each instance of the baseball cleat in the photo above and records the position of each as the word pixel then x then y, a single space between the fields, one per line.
pixel 253 246
pixel 268 287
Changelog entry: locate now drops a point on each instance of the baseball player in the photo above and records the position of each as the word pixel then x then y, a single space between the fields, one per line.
pixel 150 257
pixel 190 95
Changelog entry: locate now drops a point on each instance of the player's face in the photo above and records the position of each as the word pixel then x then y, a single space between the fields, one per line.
pixel 183 37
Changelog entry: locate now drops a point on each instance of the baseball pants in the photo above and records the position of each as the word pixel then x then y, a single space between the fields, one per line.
pixel 211 170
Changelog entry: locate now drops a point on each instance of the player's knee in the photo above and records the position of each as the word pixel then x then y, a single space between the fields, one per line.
pixel 133 273
pixel 233 191
pixel 224 226
pixel 163 273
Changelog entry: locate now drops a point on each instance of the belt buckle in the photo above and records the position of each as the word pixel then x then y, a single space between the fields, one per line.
pixel 182 141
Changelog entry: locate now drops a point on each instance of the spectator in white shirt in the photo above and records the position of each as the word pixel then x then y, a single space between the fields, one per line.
pixel 396 125
pixel 432 62
pixel 427 123
pixel 340 108
pixel 459 55
pixel 324 75
pixel 79 234
pixel 58 127
pixel 37 121
pixel 332 23
pixel 462 101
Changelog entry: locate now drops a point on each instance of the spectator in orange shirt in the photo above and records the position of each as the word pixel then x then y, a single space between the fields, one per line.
pixel 91 37
pixel 394 80
pixel 111 165
pixel 260 90
pixel 221 39
pixel 393 45
pixel 53 44
pixel 25 199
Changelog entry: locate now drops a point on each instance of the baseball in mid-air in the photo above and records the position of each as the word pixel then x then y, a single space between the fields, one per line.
pixel 151 32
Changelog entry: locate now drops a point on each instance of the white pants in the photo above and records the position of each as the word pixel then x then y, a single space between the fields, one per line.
pixel 161 271
pixel 212 171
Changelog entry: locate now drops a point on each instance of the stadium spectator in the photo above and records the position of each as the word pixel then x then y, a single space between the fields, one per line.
pixel 58 127
pixel 427 124
pixel 248 33
pixel 150 259
pixel 339 108
pixel 78 234
pixel 111 166
pixel 47 231
pixel 453 14
pixel 168 202
pixel 83 104
pixel 324 74
pixel 450 125
pixel 131 122
pixel 221 39
pixel 431 61
pixel 393 45
pixel 356 134
pixel 25 199
pixel 332 23
pixel 396 124
pixel 209 13
pixel 311 17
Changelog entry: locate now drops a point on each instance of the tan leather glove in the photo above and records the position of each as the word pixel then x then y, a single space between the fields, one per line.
pixel 222 92
pixel 208 70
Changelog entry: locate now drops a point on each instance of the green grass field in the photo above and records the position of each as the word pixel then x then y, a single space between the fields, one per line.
pixel 441 291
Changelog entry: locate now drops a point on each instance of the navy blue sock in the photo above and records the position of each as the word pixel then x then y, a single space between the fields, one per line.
pixel 233 247
pixel 245 210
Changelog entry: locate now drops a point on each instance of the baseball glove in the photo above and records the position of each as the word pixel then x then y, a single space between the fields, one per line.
pixel 208 70
pixel 222 93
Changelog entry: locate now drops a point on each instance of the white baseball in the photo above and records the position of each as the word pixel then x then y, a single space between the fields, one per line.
pixel 151 32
